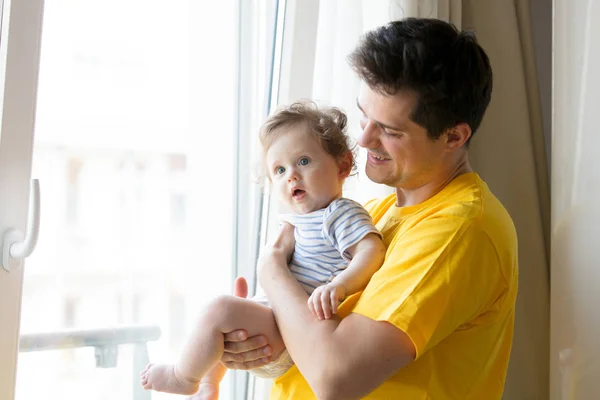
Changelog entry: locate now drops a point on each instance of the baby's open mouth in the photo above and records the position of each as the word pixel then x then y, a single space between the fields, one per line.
pixel 298 193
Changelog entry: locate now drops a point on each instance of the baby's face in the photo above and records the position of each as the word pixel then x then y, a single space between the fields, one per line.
pixel 305 176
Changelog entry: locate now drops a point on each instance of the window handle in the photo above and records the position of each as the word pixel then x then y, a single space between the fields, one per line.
pixel 14 245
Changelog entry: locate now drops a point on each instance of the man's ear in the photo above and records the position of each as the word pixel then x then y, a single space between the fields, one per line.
pixel 457 136
pixel 345 165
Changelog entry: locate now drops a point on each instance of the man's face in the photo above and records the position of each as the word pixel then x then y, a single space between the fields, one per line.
pixel 399 152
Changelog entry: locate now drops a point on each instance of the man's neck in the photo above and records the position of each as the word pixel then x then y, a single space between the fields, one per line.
pixel 412 196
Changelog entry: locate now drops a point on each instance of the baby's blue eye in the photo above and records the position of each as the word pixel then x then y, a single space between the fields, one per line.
pixel 304 161
pixel 279 170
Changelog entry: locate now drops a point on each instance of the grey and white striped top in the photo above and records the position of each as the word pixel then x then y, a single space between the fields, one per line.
pixel 323 238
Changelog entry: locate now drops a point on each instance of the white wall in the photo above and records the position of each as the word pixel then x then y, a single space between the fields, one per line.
pixel 575 300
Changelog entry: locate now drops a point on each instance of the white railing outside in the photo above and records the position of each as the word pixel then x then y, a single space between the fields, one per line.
pixel 105 342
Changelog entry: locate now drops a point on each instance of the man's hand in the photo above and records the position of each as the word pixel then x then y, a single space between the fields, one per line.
pixel 281 249
pixel 324 301
pixel 242 352
pixel 285 241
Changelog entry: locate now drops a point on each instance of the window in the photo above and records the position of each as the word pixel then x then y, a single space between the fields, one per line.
pixel 145 115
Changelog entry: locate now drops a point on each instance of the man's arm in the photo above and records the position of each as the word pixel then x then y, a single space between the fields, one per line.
pixel 339 359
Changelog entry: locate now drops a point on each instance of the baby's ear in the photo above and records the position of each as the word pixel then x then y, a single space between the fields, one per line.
pixel 345 165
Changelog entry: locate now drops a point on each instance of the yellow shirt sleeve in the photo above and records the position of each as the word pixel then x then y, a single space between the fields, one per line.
pixel 442 276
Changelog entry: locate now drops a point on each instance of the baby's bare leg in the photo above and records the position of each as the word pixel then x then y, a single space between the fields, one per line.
pixel 209 384
pixel 206 344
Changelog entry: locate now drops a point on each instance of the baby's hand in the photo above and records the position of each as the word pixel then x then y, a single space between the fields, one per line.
pixel 324 301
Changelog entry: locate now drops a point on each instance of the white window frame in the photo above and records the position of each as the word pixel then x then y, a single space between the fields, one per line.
pixel 292 79
pixel 20 39
pixel 20 42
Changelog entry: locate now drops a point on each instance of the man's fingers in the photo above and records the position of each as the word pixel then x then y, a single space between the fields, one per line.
pixel 236 336
pixel 247 365
pixel 240 287
pixel 246 357
pixel 253 343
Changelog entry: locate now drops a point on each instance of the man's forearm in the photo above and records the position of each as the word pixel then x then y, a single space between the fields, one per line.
pixel 309 341
pixel 320 348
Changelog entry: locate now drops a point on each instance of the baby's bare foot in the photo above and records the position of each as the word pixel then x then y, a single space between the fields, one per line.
pixel 162 378
pixel 207 391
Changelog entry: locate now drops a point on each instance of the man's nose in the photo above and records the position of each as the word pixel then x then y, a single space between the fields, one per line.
pixel 369 137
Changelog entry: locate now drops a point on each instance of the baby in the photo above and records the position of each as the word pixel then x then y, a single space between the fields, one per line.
pixel 306 158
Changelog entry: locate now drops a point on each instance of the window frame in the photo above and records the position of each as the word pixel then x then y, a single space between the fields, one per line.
pixel 20 56
pixel 20 40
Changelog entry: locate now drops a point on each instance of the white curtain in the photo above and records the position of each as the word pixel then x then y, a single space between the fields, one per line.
pixel 575 298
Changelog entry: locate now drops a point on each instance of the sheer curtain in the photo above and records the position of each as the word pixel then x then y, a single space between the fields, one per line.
pixel 575 351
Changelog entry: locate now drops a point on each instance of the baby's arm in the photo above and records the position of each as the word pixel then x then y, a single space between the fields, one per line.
pixel 367 257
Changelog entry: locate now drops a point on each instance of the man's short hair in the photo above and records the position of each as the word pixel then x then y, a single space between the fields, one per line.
pixel 446 69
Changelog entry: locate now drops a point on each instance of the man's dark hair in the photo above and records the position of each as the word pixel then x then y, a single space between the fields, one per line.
pixel 446 69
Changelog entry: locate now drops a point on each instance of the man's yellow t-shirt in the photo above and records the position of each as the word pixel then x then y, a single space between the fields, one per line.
pixel 449 281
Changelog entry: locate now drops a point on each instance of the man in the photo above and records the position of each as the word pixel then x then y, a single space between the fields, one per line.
pixel 436 321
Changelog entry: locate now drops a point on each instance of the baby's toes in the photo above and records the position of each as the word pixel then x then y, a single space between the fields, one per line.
pixel 144 375
pixel 145 370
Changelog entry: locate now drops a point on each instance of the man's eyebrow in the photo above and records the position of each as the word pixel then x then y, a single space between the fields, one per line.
pixel 381 124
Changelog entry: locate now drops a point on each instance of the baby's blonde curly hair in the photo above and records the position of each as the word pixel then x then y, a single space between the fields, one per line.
pixel 328 124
